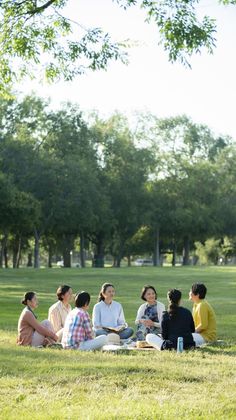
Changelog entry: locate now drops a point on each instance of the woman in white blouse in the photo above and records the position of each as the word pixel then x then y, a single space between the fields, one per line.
pixel 149 314
pixel 108 315
pixel 58 312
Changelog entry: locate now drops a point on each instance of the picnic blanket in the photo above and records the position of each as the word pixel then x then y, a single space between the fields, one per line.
pixel 113 347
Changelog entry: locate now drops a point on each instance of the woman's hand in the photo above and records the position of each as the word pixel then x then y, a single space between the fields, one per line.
pixel 148 323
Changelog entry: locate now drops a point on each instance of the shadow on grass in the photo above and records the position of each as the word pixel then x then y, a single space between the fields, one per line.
pixel 219 348
pixel 18 360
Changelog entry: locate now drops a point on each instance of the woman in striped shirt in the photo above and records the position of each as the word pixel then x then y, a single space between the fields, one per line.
pixel 58 312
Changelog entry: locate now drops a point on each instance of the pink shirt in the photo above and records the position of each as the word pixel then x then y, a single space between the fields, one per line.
pixel 27 325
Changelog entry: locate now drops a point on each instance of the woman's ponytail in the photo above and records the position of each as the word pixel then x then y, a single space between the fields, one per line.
pixel 174 297
pixel 103 290
pixel 27 296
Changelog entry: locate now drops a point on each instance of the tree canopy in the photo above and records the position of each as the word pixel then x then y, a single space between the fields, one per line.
pixel 37 34
pixel 154 189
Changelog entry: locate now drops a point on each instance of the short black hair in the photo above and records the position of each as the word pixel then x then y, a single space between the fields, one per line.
pixel 199 289
pixel 82 299
pixel 145 288
pixel 62 290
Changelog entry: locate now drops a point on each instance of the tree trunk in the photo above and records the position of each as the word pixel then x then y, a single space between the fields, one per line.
pixel 67 245
pixel 82 259
pixel 18 259
pixel 19 252
pixel 3 252
pixel 66 256
pixel 16 251
pixel 120 255
pixel 114 262
pixel 36 249
pixel 14 256
pixel 29 262
pixel 156 259
pixel 49 255
pixel 186 251
pixel 5 256
pixel 174 254
pixel 128 260
pixel 118 261
pixel 99 256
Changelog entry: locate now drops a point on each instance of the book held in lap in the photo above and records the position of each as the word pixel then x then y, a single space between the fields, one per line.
pixel 116 329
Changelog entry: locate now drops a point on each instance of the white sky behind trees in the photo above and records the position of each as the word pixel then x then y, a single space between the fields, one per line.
pixel 206 93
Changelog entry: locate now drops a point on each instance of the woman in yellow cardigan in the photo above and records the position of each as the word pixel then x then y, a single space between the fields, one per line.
pixel 203 315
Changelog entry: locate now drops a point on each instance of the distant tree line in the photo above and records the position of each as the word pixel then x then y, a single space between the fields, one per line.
pixel 158 186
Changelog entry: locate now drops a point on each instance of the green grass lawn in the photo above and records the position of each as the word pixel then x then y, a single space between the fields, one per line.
pixel 57 384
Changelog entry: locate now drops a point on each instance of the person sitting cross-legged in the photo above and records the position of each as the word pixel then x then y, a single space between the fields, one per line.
pixel 108 315
pixel 203 315
pixel 149 315
pixel 176 322
pixel 30 331
pixel 77 332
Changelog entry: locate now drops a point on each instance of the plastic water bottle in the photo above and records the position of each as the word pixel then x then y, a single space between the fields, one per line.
pixel 180 345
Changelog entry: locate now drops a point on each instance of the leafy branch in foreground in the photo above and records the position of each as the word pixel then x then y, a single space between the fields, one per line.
pixel 35 37
pixel 35 34
pixel 181 32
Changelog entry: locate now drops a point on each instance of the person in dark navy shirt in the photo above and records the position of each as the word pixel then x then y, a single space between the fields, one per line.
pixel 176 322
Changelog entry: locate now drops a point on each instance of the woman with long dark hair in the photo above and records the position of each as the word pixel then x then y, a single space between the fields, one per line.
pixel 108 315
pixel 30 331
pixel 176 322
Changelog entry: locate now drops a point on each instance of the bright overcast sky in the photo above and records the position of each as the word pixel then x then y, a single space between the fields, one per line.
pixel 206 93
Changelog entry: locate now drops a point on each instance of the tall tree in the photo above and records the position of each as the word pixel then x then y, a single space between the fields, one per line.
pixel 19 212
pixel 71 144
pixel 226 176
pixel 126 170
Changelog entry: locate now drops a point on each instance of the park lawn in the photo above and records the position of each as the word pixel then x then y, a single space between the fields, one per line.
pixel 58 384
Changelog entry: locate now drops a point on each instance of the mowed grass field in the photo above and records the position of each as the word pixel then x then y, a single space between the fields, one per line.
pixel 58 384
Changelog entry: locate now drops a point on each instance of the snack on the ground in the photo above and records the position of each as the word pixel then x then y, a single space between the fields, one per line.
pixel 143 345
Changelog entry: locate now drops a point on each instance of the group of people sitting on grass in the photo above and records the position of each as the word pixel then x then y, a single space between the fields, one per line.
pixel 73 329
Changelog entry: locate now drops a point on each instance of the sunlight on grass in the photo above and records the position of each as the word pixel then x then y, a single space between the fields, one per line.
pixel 58 384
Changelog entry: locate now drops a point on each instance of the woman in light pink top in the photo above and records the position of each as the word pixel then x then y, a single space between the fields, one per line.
pixel 30 331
